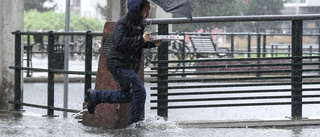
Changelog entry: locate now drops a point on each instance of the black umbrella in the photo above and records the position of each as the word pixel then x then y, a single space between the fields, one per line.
pixel 180 7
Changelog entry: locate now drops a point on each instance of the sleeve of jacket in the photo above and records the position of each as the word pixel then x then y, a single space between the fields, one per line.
pixel 124 42
pixel 149 45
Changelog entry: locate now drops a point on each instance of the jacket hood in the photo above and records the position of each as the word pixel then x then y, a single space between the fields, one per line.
pixel 134 10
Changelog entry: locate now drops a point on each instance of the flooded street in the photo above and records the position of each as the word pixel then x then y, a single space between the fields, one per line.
pixel 37 126
pixel 32 122
pixel 224 68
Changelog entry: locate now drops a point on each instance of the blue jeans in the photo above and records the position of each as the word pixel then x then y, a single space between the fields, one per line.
pixel 131 90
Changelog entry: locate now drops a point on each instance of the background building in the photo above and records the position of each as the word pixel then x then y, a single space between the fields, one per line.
pixel 87 8
pixel 297 7
pixel 302 7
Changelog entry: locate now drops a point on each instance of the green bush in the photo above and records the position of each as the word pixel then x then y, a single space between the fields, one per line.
pixel 50 20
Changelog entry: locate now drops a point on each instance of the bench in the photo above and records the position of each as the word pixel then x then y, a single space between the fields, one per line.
pixel 204 47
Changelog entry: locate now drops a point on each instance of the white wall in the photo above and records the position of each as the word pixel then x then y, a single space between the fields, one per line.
pixel 88 7
pixel 313 2
pixel 307 3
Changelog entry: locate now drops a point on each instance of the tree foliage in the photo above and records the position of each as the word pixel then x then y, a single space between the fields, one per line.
pixel 50 20
pixel 259 7
pixel 201 8
pixel 38 5
pixel 102 10
pixel 207 8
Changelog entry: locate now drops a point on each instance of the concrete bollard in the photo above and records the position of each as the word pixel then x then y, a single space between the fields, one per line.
pixel 11 19
pixel 112 116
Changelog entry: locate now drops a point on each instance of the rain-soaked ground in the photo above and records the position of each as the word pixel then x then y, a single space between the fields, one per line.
pixel 36 126
pixel 32 123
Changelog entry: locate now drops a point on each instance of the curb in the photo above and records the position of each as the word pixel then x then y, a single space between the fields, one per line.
pixel 249 123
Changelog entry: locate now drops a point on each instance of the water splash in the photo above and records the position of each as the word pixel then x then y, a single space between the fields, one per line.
pixel 155 123
pixel 72 121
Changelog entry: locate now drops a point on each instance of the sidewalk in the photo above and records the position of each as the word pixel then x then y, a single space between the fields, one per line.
pixel 237 121
pixel 24 124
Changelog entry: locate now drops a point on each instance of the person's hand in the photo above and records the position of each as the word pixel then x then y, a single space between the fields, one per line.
pixel 157 42
pixel 146 36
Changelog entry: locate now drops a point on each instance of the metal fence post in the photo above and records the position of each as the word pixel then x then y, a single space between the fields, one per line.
pixel 232 45
pixel 249 46
pixel 163 56
pixel 184 55
pixel 17 71
pixel 28 54
pixel 272 50
pixel 310 50
pixel 319 50
pixel 296 78
pixel 258 52
pixel 289 50
pixel 51 64
pixel 264 43
pixel 258 45
pixel 88 64
pixel 276 50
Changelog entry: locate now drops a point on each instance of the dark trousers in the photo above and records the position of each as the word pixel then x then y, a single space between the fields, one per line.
pixel 131 90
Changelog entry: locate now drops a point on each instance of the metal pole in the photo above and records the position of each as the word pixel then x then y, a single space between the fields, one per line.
pixel 88 63
pixel 51 64
pixel 249 46
pixel 66 58
pixel 17 71
pixel 184 55
pixel 28 55
pixel 163 56
pixel 276 50
pixel 259 52
pixel 232 45
pixel 272 50
pixel 310 50
pixel 289 50
pixel 319 51
pixel 264 45
pixel 296 74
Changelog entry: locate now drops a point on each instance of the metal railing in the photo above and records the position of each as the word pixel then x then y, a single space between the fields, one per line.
pixel 261 44
pixel 51 68
pixel 295 79
pixel 291 75
pixel 261 48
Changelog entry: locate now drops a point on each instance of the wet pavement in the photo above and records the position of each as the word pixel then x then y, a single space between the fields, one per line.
pixel 34 125
pixel 213 122
pixel 31 122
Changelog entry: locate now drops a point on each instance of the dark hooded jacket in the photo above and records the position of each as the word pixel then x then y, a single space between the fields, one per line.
pixel 127 43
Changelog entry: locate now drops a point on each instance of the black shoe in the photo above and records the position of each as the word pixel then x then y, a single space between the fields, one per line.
pixel 91 105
